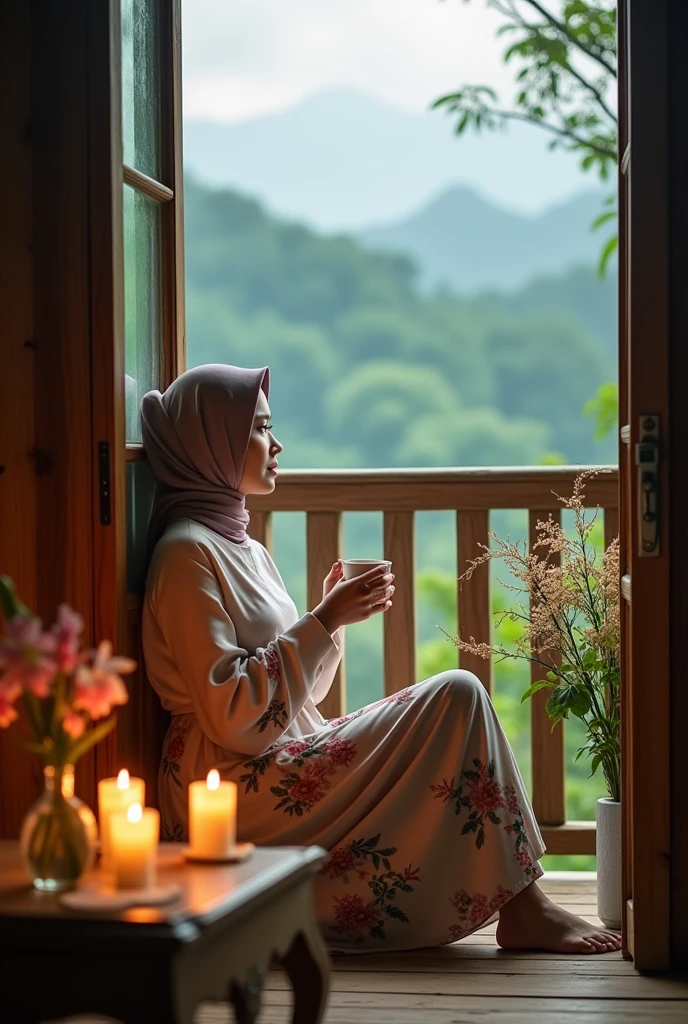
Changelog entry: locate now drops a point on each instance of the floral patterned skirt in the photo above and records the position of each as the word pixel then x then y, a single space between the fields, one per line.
pixel 419 802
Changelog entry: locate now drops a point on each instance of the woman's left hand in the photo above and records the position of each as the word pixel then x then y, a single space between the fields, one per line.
pixel 334 576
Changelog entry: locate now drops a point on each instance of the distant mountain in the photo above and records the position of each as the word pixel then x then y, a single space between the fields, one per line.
pixel 466 243
pixel 343 160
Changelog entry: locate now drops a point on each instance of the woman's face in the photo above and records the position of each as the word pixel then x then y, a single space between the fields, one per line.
pixel 260 467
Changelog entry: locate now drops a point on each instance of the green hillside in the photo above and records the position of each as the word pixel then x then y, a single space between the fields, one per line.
pixel 367 370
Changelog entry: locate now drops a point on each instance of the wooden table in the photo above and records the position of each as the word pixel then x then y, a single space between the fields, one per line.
pixel 151 965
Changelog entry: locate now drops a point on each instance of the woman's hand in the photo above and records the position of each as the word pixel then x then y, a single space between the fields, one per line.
pixel 333 577
pixel 350 601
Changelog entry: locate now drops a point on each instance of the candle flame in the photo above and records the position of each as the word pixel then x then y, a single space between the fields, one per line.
pixel 123 779
pixel 213 780
pixel 134 812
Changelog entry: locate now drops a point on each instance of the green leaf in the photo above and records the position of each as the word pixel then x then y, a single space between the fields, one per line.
pixel 9 601
pixel 603 218
pixel 536 687
pixel 607 252
pixel 35 748
pixel 91 738
pixel 565 699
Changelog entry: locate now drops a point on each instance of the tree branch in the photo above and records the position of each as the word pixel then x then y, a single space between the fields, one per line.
pixel 510 115
pixel 511 12
pixel 561 27
pixel 594 90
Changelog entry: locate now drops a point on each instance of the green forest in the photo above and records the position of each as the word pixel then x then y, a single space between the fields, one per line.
pixel 369 371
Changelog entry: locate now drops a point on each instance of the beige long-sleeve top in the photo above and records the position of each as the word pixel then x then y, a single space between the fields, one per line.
pixel 222 640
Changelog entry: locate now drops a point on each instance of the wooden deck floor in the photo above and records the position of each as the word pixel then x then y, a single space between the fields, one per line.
pixel 473 981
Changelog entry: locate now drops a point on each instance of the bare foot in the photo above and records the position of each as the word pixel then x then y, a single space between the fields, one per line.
pixel 531 921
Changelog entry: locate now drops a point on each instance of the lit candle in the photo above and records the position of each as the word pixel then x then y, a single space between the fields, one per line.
pixel 134 837
pixel 116 795
pixel 212 817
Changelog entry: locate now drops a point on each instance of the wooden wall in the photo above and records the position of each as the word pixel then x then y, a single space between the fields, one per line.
pixel 46 488
pixel 18 481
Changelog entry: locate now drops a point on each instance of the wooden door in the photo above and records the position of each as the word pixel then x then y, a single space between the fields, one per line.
pixel 644 406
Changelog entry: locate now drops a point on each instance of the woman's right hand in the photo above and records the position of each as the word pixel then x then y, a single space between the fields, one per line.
pixel 357 599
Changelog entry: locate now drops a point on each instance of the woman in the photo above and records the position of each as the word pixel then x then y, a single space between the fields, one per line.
pixel 417 796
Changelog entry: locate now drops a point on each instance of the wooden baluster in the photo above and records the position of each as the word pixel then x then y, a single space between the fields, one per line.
pixel 260 528
pixel 324 545
pixel 474 594
pixel 547 746
pixel 611 525
pixel 400 620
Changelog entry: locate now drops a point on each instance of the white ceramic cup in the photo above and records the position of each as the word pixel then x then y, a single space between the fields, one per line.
pixel 357 566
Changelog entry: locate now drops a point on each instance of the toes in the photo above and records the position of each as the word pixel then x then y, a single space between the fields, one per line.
pixel 584 945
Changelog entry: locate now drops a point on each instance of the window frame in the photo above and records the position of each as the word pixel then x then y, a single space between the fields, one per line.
pixel 117 614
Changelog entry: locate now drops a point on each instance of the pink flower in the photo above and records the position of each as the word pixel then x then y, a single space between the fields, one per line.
pixel 511 799
pixel 8 694
pixel 99 687
pixel 352 914
pixel 340 863
pixel 176 736
pixel 308 790
pixel 485 793
pixel 67 631
pixel 402 697
pixel 523 857
pixel 480 909
pixel 341 752
pixel 73 724
pixel 24 656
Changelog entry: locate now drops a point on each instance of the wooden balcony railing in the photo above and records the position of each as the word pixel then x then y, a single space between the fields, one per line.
pixel 472 494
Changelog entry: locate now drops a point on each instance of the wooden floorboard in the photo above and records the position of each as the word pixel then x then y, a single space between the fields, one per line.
pixel 473 982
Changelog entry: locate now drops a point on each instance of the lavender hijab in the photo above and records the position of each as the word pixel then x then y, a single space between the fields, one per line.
pixel 196 436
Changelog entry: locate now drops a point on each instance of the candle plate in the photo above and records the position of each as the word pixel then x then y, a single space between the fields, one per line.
pixel 241 851
pixel 90 897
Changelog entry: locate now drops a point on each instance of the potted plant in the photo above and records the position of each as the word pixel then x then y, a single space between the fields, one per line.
pixel 566 601
pixel 62 691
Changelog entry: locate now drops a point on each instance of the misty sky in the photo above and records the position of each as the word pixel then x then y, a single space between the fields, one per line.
pixel 244 58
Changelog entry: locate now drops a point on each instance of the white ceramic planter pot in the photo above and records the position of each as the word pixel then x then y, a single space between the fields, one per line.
pixel 609 862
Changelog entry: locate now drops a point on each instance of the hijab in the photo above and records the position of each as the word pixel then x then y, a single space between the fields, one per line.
pixel 196 435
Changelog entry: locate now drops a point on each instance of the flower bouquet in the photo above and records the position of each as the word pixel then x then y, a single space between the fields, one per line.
pixel 61 690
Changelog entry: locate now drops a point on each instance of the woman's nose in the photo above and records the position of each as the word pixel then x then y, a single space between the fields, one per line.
pixel 275 447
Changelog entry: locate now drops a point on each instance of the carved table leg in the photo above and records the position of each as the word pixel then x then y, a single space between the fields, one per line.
pixel 308 965
pixel 245 996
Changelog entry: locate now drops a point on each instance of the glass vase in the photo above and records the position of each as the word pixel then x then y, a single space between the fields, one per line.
pixel 58 836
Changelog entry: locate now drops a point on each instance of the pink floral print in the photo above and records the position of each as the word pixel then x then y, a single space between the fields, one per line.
pixel 482 796
pixel 473 910
pixel 306 769
pixel 353 916
pixel 175 742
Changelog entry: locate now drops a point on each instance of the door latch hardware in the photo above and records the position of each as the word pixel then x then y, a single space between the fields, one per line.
pixel 647 458
pixel 104 483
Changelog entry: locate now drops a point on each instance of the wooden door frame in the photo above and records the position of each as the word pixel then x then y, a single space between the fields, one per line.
pixel 653 89
pixel 678 483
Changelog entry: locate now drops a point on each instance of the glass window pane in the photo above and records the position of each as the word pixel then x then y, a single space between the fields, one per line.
pixel 140 86
pixel 142 304
pixel 140 495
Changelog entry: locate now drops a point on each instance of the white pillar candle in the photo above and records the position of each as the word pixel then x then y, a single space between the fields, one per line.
pixel 212 817
pixel 134 835
pixel 116 795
